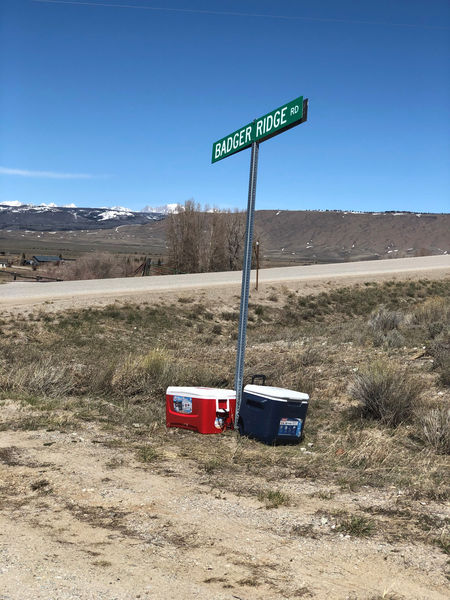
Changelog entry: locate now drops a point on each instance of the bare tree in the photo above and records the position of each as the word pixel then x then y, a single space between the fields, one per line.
pixel 205 240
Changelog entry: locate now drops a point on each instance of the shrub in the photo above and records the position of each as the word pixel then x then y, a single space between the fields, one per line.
pixel 433 310
pixel 385 394
pixel 440 351
pixel 384 320
pixel 436 429
pixel 311 356
pixel 95 266
pixel 394 339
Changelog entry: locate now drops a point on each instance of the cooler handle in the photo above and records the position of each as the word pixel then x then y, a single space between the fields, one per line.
pixel 256 402
pixel 228 404
pixel 263 377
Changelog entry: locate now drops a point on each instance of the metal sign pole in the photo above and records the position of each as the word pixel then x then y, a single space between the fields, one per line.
pixel 246 268
pixel 257 265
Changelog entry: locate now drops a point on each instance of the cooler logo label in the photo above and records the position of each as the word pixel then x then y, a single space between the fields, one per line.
pixel 291 427
pixel 183 405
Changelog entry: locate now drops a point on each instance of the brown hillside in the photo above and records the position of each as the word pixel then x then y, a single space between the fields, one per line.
pixel 333 235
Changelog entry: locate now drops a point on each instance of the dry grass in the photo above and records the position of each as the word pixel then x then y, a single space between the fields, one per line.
pixel 112 366
pixel 436 429
pixel 45 379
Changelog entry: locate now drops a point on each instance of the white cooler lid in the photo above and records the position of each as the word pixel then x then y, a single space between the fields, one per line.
pixel 276 393
pixel 201 392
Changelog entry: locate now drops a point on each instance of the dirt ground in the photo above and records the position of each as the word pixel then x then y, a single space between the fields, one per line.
pixel 83 520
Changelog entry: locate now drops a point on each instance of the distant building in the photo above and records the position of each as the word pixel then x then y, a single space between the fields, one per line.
pixel 41 260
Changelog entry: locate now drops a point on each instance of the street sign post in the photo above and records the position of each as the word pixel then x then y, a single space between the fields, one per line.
pixel 277 121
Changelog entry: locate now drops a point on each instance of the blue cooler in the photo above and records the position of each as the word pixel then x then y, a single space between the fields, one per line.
pixel 272 415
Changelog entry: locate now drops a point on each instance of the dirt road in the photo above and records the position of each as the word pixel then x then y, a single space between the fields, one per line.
pixel 83 520
pixel 106 290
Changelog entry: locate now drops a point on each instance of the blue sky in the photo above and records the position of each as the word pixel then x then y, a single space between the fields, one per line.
pixel 119 103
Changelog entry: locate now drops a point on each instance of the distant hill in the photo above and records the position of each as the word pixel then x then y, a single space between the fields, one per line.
pixel 16 216
pixel 339 235
pixel 287 237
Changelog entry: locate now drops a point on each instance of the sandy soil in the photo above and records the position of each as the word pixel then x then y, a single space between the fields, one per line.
pixel 80 519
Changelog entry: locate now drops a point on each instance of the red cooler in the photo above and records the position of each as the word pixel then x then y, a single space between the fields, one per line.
pixel 202 409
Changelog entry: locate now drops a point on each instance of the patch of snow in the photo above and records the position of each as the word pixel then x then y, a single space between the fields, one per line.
pixel 113 214
pixel 279 212
pixel 121 209
pixel 166 209
pixel 40 208
pixel 72 205
pixel 11 203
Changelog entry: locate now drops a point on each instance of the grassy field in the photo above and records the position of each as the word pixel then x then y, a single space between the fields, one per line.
pixel 374 358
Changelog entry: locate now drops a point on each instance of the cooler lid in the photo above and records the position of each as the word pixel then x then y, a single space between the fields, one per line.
pixel 201 392
pixel 276 393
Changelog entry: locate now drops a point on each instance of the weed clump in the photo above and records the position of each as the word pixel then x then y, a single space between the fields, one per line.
pixel 147 454
pixel 357 526
pixel 273 498
pixel 436 429
pixel 385 394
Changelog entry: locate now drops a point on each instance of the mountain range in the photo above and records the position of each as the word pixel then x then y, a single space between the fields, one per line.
pixel 49 217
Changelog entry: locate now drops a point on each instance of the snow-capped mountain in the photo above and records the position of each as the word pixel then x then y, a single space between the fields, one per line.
pixel 49 217
pixel 166 209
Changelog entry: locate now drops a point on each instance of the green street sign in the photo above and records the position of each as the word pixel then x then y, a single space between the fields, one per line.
pixel 281 119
